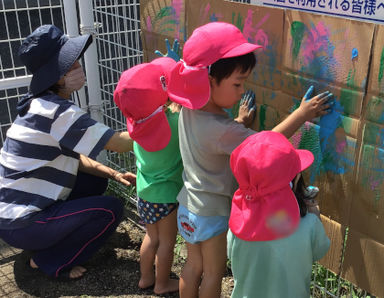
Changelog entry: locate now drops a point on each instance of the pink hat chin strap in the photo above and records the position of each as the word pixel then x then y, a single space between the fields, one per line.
pixel 192 67
pixel 158 110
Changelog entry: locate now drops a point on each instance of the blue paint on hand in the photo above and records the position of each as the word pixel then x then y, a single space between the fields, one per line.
pixel 355 53
pixel 173 53
pixel 309 92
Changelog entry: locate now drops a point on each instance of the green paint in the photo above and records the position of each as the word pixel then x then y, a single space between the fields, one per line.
pixel 170 22
pixel 295 106
pixel 235 109
pixel 347 124
pixel 381 68
pixel 310 140
pixel 164 12
pixel 238 22
pixel 297 33
pixel 165 30
pixel 371 133
pixel 349 96
pixel 263 110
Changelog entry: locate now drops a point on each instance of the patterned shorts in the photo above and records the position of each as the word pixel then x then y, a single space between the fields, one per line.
pixel 150 213
pixel 196 228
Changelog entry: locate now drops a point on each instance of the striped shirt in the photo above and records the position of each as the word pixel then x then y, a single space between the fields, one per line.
pixel 40 157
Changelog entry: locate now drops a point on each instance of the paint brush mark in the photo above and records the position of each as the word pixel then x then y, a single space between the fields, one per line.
pixel 355 53
pixel 239 22
pixel 177 5
pixel 206 12
pixel 247 29
pixel 261 38
pixel 310 141
pixel 340 147
pixel 262 21
pixel 149 23
pixel 297 33
pixel 263 110
pixel 296 138
pixel 165 12
pixel 215 17
pixel 374 183
pixel 381 68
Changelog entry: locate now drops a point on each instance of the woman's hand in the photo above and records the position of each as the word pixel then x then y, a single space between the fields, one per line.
pixel 126 178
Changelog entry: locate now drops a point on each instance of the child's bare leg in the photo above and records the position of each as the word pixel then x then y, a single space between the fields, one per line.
pixel 191 275
pixel 214 254
pixel 167 228
pixel 147 256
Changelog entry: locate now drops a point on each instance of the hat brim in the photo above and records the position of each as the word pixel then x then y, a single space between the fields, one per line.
pixel 271 217
pixel 306 158
pixel 153 134
pixel 241 49
pixel 59 64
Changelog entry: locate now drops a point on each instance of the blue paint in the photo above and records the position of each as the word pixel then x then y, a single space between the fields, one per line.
pixel 332 160
pixel 381 120
pixel 309 92
pixel 213 18
pixel 355 53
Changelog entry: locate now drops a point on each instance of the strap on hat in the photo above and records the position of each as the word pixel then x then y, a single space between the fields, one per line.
pixel 158 110
pixel 192 67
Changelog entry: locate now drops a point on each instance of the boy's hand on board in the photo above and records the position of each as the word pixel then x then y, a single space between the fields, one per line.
pixel 174 53
pixel 319 105
pixel 247 109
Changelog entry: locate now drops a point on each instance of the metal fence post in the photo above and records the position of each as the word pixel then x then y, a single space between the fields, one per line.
pixel 91 61
pixel 87 26
pixel 72 28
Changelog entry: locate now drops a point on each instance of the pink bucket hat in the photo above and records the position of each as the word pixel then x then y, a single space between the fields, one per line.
pixel 140 94
pixel 189 82
pixel 264 206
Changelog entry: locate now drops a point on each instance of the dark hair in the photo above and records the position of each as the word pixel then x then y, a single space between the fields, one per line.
pixel 223 68
pixel 300 194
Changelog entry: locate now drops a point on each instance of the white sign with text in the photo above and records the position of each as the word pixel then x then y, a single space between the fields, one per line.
pixel 364 10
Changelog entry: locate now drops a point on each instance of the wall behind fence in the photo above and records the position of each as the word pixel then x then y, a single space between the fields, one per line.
pixel 301 49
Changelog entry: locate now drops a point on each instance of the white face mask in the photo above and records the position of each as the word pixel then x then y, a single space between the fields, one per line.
pixel 74 79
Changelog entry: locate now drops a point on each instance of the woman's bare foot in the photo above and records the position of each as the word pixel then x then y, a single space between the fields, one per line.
pixel 33 264
pixel 170 287
pixel 77 271
pixel 145 283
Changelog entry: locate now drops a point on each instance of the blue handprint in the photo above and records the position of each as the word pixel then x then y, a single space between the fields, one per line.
pixel 174 53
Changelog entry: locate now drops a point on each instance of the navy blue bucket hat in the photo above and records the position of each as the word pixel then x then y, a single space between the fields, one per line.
pixel 48 54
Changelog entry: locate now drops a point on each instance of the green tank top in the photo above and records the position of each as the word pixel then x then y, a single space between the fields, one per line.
pixel 159 173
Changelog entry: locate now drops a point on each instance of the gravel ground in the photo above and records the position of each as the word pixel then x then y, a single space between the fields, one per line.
pixel 112 272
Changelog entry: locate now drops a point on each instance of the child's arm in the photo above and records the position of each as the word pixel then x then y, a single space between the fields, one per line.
pixel 120 142
pixel 93 167
pixel 309 109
